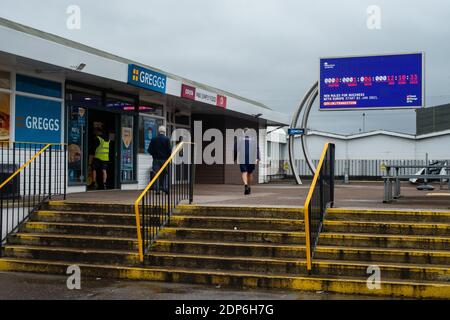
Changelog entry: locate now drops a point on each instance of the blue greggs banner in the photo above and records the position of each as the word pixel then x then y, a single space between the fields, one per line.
pixel 147 79
pixel 37 120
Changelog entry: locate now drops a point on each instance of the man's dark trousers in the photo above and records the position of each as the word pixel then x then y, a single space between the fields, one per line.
pixel 161 184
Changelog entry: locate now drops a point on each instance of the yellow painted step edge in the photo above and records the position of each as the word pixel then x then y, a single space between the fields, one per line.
pixel 240 208
pixel 405 289
pixel 387 211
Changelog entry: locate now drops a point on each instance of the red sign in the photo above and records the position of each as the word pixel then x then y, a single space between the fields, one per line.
pixel 187 92
pixel 221 101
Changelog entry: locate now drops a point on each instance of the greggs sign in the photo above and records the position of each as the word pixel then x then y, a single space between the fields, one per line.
pixel 147 79
pixel 201 95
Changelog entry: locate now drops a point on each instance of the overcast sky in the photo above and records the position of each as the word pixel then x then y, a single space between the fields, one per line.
pixel 265 50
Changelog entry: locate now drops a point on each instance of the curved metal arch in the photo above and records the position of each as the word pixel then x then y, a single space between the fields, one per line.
pixel 307 103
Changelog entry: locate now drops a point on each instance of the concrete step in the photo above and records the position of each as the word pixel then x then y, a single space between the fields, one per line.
pixel 80 229
pixel 388 227
pixel 297 267
pixel 88 207
pixel 261 236
pixel 242 280
pixel 75 255
pixel 326 238
pixel 74 241
pixel 241 211
pixel 298 251
pixel 84 217
pixel 384 241
pixel 381 255
pixel 241 223
pixel 388 215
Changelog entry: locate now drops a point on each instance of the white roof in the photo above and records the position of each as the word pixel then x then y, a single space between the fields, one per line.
pixel 44 47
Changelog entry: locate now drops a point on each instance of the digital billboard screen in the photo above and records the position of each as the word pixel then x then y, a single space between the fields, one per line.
pixel 372 82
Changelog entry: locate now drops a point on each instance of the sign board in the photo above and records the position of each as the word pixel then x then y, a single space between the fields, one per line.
pixel 296 131
pixel 147 79
pixel 221 101
pixel 187 92
pixel 37 120
pixel 204 96
pixel 372 82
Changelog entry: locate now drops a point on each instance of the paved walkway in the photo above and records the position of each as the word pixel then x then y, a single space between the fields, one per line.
pixel 354 194
pixel 28 286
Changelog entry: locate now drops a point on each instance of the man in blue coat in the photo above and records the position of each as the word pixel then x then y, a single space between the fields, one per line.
pixel 160 149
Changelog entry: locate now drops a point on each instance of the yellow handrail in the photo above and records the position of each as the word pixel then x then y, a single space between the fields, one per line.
pixel 138 200
pixel 24 166
pixel 306 206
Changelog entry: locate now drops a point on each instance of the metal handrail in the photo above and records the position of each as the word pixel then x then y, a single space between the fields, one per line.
pixel 319 198
pixel 25 188
pixel 149 186
pixel 24 166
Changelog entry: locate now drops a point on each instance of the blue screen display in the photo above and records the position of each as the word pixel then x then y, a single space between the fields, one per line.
pixel 390 81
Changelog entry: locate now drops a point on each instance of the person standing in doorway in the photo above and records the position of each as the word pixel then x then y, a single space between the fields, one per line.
pixel 100 159
pixel 160 149
pixel 246 148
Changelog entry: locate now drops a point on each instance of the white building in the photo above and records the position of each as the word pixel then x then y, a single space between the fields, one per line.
pixel 362 154
pixel 276 161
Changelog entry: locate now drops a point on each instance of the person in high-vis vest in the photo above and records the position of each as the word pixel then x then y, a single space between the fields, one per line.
pixel 101 158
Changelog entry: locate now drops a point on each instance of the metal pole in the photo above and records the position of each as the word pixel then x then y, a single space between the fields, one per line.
pixel 306 101
pixel 192 175
pixel 310 103
pixel 364 122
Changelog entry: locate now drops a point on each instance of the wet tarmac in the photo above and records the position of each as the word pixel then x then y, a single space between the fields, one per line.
pixel 28 286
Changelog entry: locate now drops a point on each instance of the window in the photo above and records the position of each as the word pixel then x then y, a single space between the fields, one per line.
pixel 182 120
pixel 81 97
pixel 148 129
pixel 151 109
pixel 127 148
pixel 115 102
pixel 269 149
pixel 38 119
pixel 4 116
pixel 38 86
pixel 5 80
pixel 75 138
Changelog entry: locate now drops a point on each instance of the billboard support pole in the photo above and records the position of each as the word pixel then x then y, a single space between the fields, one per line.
pixel 307 102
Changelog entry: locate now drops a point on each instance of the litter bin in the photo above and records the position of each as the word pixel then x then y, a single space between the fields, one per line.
pixel 12 188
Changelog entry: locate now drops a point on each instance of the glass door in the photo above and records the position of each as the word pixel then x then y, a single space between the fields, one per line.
pixel 127 149
pixel 77 145
pixel 79 101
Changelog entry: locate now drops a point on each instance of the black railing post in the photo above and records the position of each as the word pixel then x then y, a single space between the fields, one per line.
pixel 169 188
pixel 50 174
pixel 65 171
pixel 332 164
pixel 192 174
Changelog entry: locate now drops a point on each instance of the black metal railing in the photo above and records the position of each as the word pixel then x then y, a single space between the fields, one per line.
pixel 320 197
pixel 173 183
pixel 30 173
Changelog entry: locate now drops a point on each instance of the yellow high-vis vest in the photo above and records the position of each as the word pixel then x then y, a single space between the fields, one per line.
pixel 102 151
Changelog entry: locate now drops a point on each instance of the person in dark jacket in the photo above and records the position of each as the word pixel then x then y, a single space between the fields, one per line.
pixel 246 147
pixel 160 149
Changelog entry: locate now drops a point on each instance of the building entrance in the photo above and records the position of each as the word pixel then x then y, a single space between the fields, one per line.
pixel 102 125
pixel 93 113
